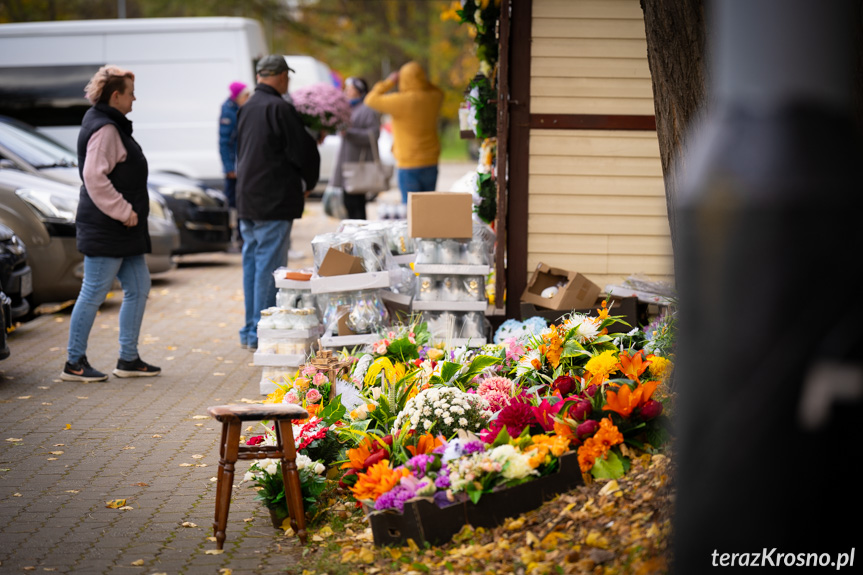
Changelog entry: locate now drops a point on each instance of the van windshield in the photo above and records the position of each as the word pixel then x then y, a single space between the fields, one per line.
pixel 36 149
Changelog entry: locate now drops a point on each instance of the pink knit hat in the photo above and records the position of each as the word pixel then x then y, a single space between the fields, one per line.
pixel 235 89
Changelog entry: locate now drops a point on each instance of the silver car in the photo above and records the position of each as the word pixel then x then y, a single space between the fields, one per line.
pixel 41 212
pixel 23 148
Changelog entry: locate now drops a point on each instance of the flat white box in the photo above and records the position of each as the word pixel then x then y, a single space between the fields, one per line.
pixel 351 282
pixel 453 269
pixel 400 298
pixel 283 334
pixel 420 305
pixel 281 282
pixel 465 342
pixel 279 359
pixel 349 340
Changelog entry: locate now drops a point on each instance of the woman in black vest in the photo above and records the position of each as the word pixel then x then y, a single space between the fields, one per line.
pixel 111 225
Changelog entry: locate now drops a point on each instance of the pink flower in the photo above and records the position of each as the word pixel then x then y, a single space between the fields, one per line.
pixel 513 350
pixel 319 379
pixel 322 106
pixel 497 391
pixel 545 412
pixel 309 370
pixel 313 395
pixel 515 417
pixel 291 397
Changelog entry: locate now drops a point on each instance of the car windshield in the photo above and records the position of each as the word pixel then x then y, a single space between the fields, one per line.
pixel 36 149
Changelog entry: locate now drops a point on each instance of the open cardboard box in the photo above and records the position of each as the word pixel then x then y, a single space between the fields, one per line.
pixel 338 263
pixel 576 292
pixel 440 215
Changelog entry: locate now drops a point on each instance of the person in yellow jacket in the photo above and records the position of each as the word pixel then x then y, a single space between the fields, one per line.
pixel 414 108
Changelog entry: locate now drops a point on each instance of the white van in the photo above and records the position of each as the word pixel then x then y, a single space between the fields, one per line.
pixel 182 67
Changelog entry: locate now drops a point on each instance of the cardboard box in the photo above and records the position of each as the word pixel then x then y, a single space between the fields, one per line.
pixel 337 263
pixel 440 215
pixel 576 292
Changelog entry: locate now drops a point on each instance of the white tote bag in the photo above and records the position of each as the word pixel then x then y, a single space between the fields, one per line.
pixel 363 177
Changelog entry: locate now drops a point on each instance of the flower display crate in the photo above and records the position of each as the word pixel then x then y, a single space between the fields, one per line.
pixel 425 522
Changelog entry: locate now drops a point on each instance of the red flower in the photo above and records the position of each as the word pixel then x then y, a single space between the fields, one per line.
pixel 565 384
pixel 580 410
pixel 515 417
pixel 586 429
pixel 255 440
pixel 651 409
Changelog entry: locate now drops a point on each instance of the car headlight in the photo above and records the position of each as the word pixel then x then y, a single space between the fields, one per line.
pixel 195 196
pixel 159 209
pixel 50 206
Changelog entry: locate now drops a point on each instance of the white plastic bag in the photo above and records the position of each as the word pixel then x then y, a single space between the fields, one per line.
pixel 334 203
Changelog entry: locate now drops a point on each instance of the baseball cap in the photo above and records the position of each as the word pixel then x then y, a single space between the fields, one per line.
pixel 272 65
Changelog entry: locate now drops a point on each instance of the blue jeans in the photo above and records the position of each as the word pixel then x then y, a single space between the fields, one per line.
pixel 265 248
pixel 99 274
pixel 417 180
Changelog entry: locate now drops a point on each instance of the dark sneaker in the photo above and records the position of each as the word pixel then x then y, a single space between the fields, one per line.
pixel 81 370
pixel 135 368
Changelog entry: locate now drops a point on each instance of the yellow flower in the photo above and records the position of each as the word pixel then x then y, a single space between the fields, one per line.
pixel 660 367
pixel 277 396
pixel 392 372
pixel 301 383
pixel 603 364
pixel 451 13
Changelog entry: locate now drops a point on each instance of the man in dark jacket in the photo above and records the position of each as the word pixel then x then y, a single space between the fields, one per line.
pixel 278 165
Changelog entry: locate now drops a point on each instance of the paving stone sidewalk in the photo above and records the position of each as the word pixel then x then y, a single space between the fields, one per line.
pixel 68 448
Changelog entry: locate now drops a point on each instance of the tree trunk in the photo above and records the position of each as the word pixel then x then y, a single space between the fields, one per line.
pixel 676 55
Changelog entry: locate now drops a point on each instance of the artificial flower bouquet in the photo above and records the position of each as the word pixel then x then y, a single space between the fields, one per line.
pixel 266 477
pixel 323 107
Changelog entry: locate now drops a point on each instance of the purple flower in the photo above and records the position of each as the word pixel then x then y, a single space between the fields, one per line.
pixel 472 447
pixel 419 463
pixel 442 481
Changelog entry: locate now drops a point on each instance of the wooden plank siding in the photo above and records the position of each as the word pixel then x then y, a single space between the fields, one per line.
pixel 596 204
pixel 596 198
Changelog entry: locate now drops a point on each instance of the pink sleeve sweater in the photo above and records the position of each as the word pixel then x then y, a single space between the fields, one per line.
pixel 104 151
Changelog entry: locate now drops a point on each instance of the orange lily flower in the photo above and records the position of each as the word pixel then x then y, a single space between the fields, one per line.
pixel 633 366
pixel 358 455
pixel 602 312
pixel 624 400
pixel 425 444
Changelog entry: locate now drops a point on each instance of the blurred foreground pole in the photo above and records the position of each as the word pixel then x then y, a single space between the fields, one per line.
pixel 770 363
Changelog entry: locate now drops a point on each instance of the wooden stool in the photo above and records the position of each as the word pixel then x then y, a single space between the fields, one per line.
pixel 230 450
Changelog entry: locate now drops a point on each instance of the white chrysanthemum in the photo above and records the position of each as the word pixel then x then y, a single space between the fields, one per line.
pixel 586 327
